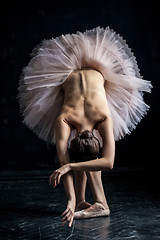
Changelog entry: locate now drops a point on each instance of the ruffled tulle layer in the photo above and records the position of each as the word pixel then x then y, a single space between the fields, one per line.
pixel 40 94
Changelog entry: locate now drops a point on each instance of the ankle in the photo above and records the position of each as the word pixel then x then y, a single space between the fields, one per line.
pixel 82 205
pixel 79 202
pixel 104 203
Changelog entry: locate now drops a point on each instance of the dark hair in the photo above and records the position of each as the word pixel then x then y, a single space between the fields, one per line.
pixel 84 147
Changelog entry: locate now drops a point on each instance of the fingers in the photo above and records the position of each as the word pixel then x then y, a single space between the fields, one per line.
pixel 55 178
pixel 68 217
pixel 64 213
pixel 70 223
pixel 58 178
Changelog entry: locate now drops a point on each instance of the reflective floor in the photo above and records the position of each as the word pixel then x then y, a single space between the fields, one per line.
pixel 30 209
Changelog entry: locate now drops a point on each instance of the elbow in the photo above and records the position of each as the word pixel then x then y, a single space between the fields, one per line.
pixel 109 165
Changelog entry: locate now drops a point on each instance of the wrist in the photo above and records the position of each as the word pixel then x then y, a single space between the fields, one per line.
pixel 76 166
pixel 72 198
pixel 71 166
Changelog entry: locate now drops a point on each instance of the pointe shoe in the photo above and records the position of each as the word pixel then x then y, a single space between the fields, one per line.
pixel 78 206
pixel 95 213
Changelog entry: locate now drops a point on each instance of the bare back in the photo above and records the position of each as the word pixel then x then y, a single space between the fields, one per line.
pixel 84 98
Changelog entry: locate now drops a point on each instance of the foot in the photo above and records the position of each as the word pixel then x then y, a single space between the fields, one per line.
pixel 82 205
pixel 95 210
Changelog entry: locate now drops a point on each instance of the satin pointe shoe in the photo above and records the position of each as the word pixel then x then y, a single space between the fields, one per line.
pixel 101 212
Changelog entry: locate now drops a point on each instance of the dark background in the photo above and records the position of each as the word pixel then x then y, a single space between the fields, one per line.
pixel 25 24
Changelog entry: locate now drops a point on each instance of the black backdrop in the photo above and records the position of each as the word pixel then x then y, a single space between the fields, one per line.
pixel 24 24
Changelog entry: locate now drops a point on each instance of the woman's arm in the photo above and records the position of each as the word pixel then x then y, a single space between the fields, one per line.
pixel 92 165
pixel 108 153
pixel 62 136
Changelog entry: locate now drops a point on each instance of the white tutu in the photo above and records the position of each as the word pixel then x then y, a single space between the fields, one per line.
pixel 40 94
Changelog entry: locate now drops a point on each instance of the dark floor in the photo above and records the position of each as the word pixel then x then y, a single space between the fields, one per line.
pixel 30 209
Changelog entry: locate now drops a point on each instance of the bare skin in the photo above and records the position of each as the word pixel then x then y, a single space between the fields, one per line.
pixel 85 108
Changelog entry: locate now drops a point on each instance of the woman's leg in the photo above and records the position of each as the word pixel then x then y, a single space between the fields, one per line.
pixel 80 188
pixel 95 183
pixel 100 207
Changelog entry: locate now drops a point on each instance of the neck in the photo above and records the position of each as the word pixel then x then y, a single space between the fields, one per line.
pixel 84 127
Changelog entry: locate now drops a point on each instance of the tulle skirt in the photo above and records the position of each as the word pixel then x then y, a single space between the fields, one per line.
pixel 40 94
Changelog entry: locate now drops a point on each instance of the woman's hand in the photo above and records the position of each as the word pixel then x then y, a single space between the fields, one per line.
pixel 68 214
pixel 57 174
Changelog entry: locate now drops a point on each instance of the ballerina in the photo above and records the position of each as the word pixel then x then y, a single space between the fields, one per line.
pixel 83 92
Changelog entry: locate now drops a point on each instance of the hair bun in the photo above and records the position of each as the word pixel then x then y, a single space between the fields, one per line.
pixel 84 147
pixel 85 134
